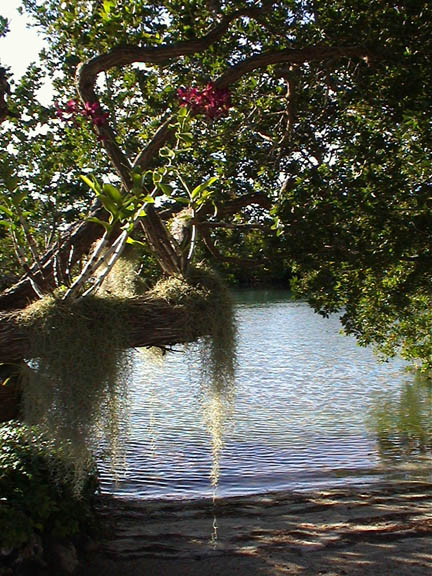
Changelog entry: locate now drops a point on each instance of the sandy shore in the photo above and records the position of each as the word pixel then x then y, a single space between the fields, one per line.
pixel 371 531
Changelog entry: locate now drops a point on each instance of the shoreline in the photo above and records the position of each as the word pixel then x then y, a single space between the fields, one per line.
pixel 373 478
pixel 367 530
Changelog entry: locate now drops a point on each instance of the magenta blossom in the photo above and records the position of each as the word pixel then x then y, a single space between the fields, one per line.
pixel 71 107
pixel 91 110
pixel 210 101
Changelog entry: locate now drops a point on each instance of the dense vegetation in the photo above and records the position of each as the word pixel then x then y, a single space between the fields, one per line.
pixel 38 498
pixel 304 150
pixel 273 139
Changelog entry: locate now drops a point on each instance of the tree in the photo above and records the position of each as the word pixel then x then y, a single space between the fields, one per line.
pixel 313 117
pixel 368 189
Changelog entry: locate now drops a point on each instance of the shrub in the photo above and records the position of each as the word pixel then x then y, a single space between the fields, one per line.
pixel 37 493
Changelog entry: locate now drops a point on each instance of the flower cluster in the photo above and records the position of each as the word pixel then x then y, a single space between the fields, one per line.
pixel 91 110
pixel 210 101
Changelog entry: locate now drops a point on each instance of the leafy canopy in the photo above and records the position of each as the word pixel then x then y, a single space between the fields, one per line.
pixel 327 142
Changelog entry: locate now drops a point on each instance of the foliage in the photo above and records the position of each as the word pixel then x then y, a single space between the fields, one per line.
pixel 37 489
pixel 333 132
pixel 365 185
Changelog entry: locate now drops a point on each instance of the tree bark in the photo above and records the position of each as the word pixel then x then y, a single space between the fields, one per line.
pixel 151 322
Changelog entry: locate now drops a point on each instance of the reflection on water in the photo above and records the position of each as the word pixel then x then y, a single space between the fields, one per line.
pixel 217 409
pixel 309 409
pixel 403 425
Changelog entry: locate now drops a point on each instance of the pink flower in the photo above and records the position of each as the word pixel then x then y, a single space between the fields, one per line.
pixel 91 110
pixel 69 112
pixel 210 101
pixel 94 111
pixel 71 107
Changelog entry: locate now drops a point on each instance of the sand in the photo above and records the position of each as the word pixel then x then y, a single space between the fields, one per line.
pixel 371 531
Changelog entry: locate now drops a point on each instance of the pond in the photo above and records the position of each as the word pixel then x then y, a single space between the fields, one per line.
pixel 309 409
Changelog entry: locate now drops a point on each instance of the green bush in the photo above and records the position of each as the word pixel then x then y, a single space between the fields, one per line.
pixel 37 492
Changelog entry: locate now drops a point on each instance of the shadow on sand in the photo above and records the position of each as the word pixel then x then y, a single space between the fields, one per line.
pixel 368 531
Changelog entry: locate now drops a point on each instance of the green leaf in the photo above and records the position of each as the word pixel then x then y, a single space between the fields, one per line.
pixel 108 227
pixel 126 214
pixel 108 4
pixel 135 242
pixel 166 188
pixel 181 200
pixel 113 192
pixel 137 182
pixel 199 189
pixel 106 10
pixel 128 201
pixel 6 211
pixel 109 205
pixel 92 183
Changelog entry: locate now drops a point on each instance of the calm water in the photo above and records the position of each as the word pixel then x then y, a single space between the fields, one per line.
pixel 309 409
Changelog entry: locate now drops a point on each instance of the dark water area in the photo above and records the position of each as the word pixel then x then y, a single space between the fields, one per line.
pixel 309 409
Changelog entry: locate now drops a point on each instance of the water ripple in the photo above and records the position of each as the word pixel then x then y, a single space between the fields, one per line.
pixel 311 408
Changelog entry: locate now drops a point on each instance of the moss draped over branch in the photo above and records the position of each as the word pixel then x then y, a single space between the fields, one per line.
pixel 75 382
pixel 156 318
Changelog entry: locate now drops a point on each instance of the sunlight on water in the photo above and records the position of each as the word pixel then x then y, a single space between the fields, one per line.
pixel 309 409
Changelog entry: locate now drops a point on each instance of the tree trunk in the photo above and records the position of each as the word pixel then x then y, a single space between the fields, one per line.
pixel 151 322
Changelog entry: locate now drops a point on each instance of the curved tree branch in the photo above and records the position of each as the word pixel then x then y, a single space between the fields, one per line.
pixel 125 55
pixel 87 73
pixel 160 138
pixel 317 53
pixel 86 233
